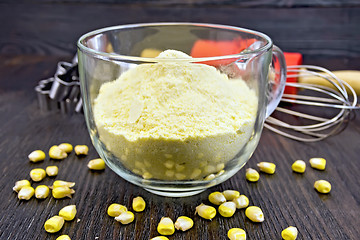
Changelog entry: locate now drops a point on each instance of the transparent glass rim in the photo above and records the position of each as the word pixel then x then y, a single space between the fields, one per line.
pixel 115 56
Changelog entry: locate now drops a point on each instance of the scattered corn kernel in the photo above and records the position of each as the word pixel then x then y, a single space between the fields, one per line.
pixel 252 175
pixel 52 171
pixel 255 214
pixel 96 164
pixel 318 163
pixel 236 234
pixel 62 192
pixel 54 224
pixel 184 223
pixel 20 184
pixel 125 217
pixel 241 202
pixel 63 237
pixel 206 211
pixel 61 183
pixel 115 210
pixel 66 147
pixel 36 156
pixel 216 198
pixel 227 209
pixel 138 204
pixel 37 174
pixel 231 194
pixel 298 166
pixel 81 150
pixel 166 226
pixel 57 153
pixel 159 238
pixel 267 167
pixel 322 186
pixel 26 193
pixel 42 191
pixel 289 233
pixel 68 212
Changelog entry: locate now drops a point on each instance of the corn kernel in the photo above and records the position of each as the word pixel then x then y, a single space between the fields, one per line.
pixel 54 224
pixel 166 226
pixel 159 238
pixel 36 156
pixel 37 174
pixel 267 167
pixel 318 163
pixel 209 177
pixel 241 202
pixel 255 214
pixel 138 204
pixel 81 150
pixel 322 186
pixel 63 237
pixel 216 198
pixel 96 164
pixel 52 171
pixel 227 209
pixel 298 166
pixel 20 184
pixel 57 153
pixel 68 212
pixel 62 192
pixel 61 183
pixel 26 193
pixel 42 192
pixel 289 233
pixel 236 234
pixel 252 175
pixel 231 194
pixel 125 217
pixel 66 147
pixel 184 223
pixel 206 211
pixel 115 210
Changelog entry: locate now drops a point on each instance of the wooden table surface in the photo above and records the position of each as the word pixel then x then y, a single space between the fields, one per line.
pixel 34 37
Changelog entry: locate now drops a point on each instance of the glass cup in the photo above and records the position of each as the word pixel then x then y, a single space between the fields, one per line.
pixel 170 123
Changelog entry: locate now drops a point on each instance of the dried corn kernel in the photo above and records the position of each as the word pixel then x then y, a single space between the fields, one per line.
pixel 54 224
pixel 115 210
pixel 236 234
pixel 322 186
pixel 255 214
pixel 61 183
pixel 138 204
pixel 159 238
pixel 81 150
pixel 20 184
pixel 52 171
pixel 227 209
pixel 42 192
pixel 252 175
pixel 231 194
pixel 298 166
pixel 289 233
pixel 37 174
pixel 166 226
pixel 318 163
pixel 125 217
pixel 184 223
pixel 66 147
pixel 36 156
pixel 96 164
pixel 63 237
pixel 267 167
pixel 62 192
pixel 241 202
pixel 57 153
pixel 206 211
pixel 26 193
pixel 68 212
pixel 216 198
